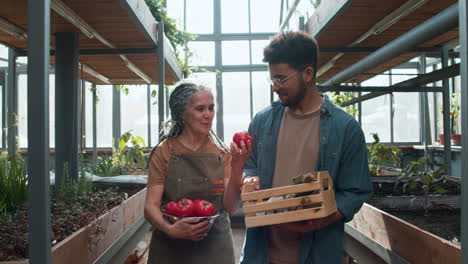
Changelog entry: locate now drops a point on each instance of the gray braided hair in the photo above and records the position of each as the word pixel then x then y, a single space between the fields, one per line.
pixel 178 100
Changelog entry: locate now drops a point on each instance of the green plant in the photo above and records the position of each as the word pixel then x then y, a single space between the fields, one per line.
pixel 379 154
pixel 420 175
pixel 122 88
pixel 129 156
pixel 74 188
pixel 454 112
pixel 104 167
pixel 176 37
pixel 13 183
pixel 338 98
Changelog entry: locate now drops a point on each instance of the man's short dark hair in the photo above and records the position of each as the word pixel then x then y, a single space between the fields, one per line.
pixel 298 49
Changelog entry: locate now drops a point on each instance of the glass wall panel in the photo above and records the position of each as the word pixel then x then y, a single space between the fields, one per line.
pixel 199 16
pixel 235 52
pixel 236 103
pixel 406 118
pixel 265 15
pixel 154 117
pixel 257 51
pixel 89 115
pixel 134 111
pixel 104 116
pixel 234 16
pixel 203 53
pixel 376 112
pixel 23 110
pixel 175 10
pixel 260 90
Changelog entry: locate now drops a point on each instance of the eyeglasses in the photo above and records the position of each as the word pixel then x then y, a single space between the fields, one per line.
pixel 279 82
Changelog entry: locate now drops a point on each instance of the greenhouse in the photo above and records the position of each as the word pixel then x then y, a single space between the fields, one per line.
pixel 89 113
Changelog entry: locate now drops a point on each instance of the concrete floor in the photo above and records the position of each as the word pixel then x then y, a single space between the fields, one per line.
pixel 238 240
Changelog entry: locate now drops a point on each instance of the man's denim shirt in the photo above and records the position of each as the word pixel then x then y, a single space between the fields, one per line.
pixel 342 153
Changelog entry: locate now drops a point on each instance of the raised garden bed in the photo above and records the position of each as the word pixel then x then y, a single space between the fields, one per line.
pixel 404 239
pixel 81 229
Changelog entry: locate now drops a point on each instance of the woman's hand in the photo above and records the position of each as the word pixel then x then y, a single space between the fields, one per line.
pixel 190 229
pixel 240 155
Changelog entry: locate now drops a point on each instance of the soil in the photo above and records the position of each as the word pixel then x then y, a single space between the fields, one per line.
pixel 442 223
pixel 68 214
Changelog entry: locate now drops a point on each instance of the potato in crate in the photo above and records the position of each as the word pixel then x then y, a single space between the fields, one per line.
pixel 314 199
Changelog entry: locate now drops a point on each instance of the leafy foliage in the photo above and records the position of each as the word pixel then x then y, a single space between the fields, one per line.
pixel 420 176
pixel 74 188
pixel 455 112
pixel 338 98
pixel 13 183
pixel 126 156
pixel 379 154
pixel 176 37
pixel 104 167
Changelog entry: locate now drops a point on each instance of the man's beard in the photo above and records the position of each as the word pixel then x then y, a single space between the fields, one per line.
pixel 294 101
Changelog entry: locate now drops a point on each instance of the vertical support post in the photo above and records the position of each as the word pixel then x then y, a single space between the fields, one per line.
pixel 463 21
pixel 4 108
pixel 250 61
pixel 161 77
pixel 66 106
pixel 83 116
pixel 38 131
pixel 424 110
pixel 218 66
pixel 390 105
pixel 116 126
pixel 435 110
pixel 148 112
pixel 360 108
pixel 12 103
pixel 94 124
pixel 446 113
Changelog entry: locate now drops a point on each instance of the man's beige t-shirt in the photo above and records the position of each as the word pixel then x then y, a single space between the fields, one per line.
pixel 296 153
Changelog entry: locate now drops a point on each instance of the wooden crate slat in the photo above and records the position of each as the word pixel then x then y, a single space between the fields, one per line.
pixel 278 218
pixel 279 191
pixel 291 202
pixel 323 198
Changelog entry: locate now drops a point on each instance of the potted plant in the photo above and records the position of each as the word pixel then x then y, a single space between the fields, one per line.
pixel 131 159
pixel 380 154
pixel 454 119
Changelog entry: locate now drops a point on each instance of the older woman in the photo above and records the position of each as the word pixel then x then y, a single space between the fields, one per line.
pixel 190 162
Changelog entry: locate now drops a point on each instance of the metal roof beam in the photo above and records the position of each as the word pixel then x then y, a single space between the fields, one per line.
pixel 439 24
pixel 434 76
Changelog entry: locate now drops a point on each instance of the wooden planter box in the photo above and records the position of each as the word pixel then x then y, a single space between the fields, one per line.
pixel 411 202
pixel 260 212
pixel 87 244
pixel 404 239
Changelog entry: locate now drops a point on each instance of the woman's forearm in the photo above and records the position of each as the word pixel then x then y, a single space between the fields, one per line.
pixel 232 190
pixel 154 216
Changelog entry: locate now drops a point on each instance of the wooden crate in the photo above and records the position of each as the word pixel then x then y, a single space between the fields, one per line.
pixel 321 202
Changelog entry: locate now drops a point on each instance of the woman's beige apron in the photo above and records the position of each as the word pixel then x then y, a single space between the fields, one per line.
pixel 195 176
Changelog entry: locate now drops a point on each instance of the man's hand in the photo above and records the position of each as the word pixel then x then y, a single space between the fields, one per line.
pixel 313 224
pixel 254 180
